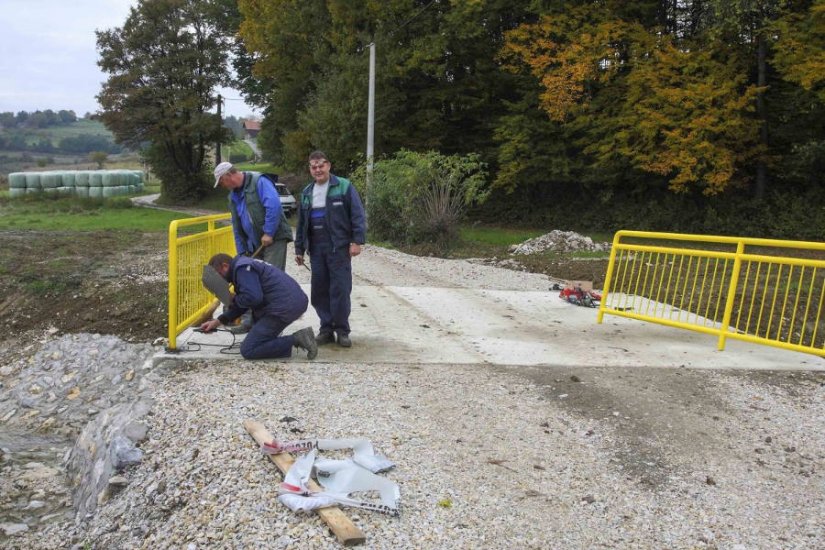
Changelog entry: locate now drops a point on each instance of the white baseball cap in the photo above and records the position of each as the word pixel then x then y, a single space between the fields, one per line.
pixel 221 170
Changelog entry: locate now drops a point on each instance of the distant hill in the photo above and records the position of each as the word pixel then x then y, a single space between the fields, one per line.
pixel 57 145
pixel 80 137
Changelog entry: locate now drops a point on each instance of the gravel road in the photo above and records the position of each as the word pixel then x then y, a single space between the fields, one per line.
pixel 487 455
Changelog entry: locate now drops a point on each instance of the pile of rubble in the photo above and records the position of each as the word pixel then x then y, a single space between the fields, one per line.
pixel 559 241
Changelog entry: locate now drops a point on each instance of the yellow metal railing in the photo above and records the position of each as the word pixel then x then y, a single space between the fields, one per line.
pixel 759 290
pixel 188 253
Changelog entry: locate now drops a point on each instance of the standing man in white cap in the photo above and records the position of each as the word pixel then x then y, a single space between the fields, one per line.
pixel 257 216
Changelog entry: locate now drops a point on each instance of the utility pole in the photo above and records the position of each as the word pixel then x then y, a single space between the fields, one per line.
pixel 370 119
pixel 218 144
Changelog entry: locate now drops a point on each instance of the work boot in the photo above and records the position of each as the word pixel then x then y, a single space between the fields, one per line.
pixel 305 339
pixel 244 325
pixel 324 338
pixel 344 341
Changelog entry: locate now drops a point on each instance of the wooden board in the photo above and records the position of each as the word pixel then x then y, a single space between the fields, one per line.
pixel 338 522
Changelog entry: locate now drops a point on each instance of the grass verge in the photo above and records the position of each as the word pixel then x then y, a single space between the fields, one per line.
pixel 48 212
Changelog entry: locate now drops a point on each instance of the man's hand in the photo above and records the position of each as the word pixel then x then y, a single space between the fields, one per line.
pixel 211 325
pixel 354 249
pixel 266 240
pixel 299 260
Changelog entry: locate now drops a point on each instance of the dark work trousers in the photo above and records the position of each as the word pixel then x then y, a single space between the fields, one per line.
pixel 275 254
pixel 331 282
pixel 264 341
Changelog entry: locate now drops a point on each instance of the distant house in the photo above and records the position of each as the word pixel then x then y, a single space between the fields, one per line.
pixel 251 127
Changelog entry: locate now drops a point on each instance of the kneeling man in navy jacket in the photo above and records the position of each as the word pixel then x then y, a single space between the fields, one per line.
pixel 276 301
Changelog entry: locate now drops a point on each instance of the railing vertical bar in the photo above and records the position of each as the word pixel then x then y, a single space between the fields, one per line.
pixel 762 301
pixel 784 304
pixel 667 287
pixel 744 294
pixel 644 291
pixel 693 290
pixel 702 293
pixel 796 303
pixel 675 286
pixel 773 302
pixel 649 292
pixel 818 316
pixel 712 290
pixel 722 295
pixel 684 290
pixel 626 290
pixel 753 297
pixel 807 308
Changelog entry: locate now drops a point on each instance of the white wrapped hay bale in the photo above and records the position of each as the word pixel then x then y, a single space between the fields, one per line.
pixel 110 179
pixel 17 180
pixel 68 179
pixel 33 182
pixel 81 178
pixel 50 181
pixel 96 179
pixel 95 192
pixel 17 184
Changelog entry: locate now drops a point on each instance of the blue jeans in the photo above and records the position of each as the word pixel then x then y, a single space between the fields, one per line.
pixel 331 287
pixel 264 341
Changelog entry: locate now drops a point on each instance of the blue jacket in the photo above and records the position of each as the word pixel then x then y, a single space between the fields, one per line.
pixel 346 220
pixel 264 289
pixel 256 210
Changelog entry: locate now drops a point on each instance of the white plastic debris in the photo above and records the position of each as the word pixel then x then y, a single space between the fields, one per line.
pixel 363 453
pixel 338 478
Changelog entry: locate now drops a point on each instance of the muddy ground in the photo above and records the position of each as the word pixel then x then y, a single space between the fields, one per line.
pixel 98 282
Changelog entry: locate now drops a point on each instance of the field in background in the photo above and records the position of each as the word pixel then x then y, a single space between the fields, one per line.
pixel 49 212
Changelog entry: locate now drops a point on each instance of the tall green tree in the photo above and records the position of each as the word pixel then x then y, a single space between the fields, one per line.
pixel 439 84
pixel 164 65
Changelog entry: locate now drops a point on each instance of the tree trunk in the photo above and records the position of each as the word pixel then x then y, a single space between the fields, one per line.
pixel 761 169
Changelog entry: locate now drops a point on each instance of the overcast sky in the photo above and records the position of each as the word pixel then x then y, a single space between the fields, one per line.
pixel 48 55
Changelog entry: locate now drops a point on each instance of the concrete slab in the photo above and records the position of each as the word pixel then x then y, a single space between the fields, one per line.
pixel 396 324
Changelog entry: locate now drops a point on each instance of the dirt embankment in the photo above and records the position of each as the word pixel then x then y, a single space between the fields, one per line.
pixel 99 282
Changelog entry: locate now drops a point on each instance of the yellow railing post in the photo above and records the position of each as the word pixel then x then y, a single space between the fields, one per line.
pixel 173 284
pixel 608 277
pixel 731 297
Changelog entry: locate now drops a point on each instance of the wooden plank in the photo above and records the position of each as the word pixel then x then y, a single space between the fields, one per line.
pixel 338 522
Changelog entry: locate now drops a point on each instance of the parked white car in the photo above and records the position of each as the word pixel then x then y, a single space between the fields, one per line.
pixel 288 202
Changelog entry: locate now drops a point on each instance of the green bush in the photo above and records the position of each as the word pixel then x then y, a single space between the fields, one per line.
pixel 420 198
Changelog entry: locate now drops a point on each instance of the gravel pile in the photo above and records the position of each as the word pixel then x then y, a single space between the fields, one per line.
pixel 559 241
pixel 483 459
pixel 61 382
pixel 53 388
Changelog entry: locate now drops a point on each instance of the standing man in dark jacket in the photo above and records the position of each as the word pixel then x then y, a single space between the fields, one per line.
pixel 332 226
pixel 276 301
pixel 257 216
